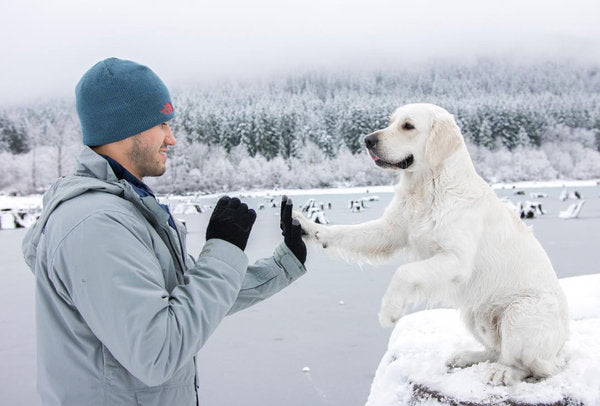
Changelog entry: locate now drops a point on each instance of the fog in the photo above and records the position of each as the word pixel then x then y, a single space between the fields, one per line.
pixel 47 46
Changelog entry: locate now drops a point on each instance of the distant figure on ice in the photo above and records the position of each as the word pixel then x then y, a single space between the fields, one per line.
pixel 122 309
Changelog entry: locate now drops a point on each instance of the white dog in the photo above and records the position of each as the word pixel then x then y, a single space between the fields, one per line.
pixel 466 248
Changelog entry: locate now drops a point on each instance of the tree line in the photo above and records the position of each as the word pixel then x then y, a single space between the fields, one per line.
pixel 547 107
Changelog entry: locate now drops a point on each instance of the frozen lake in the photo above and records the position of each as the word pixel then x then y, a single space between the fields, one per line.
pixel 326 321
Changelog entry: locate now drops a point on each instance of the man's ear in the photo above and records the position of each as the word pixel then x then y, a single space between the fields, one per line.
pixel 444 140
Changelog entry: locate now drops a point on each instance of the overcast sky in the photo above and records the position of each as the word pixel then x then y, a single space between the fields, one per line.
pixel 47 45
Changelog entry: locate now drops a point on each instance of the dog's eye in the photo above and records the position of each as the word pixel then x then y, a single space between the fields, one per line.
pixel 408 126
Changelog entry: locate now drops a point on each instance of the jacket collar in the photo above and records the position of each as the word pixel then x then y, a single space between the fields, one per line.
pixel 94 165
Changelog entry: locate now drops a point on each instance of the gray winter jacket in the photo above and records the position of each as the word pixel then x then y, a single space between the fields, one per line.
pixel 121 308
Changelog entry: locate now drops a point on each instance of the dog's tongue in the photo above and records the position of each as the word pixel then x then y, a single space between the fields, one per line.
pixel 374 157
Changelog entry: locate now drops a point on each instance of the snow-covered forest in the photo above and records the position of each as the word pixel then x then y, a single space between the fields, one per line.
pixel 522 122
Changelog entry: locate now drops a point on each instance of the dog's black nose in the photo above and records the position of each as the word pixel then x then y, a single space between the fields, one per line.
pixel 371 141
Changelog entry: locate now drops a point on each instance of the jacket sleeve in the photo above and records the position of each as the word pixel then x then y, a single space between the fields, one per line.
pixel 267 277
pixel 110 271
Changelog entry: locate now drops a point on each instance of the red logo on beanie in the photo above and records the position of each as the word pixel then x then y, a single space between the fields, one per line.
pixel 167 108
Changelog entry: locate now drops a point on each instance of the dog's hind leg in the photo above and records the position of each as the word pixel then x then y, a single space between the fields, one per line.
pixel 486 336
pixel 532 333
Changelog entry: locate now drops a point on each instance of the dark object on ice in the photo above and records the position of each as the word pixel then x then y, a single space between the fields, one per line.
pixel 530 210
pixel 310 203
pixel 520 192
pixel 538 195
pixel 574 194
pixel 356 205
pixel 317 216
pixel 17 218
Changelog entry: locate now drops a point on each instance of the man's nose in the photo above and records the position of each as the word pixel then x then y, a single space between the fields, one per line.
pixel 170 138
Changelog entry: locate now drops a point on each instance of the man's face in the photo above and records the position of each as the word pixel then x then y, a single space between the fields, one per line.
pixel 147 153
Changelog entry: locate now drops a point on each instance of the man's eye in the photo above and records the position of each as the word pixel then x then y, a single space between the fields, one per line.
pixel 408 126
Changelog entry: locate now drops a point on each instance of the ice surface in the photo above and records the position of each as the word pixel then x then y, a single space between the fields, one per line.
pixel 256 356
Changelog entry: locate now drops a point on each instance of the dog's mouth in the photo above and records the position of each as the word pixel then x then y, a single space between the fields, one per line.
pixel 403 164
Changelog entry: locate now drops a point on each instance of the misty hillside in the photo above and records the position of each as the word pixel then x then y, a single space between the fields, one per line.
pixel 522 122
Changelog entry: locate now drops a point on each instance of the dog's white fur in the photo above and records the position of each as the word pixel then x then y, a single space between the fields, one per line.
pixel 466 248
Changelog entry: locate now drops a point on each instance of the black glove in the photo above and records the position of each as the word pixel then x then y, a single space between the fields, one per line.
pixel 231 221
pixel 291 230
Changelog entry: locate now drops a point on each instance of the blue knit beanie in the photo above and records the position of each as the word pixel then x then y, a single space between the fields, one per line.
pixel 116 99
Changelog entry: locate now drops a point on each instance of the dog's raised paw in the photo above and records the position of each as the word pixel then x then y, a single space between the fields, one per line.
pixel 309 231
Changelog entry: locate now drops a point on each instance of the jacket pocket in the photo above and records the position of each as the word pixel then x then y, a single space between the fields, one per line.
pixel 184 395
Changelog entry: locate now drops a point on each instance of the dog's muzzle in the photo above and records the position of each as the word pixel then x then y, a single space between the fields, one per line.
pixel 371 142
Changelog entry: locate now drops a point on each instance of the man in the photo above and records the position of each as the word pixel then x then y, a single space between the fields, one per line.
pixel 121 308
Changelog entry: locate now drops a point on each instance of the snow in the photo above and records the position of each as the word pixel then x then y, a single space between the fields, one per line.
pixel 20 202
pixel 35 201
pixel 547 183
pixel 422 341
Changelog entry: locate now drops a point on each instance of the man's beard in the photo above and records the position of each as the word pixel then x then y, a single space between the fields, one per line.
pixel 145 159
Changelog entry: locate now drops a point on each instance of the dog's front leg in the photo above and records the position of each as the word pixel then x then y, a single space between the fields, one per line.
pixel 371 240
pixel 433 279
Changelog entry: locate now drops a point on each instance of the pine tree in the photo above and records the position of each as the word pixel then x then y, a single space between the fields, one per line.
pixel 522 138
pixel 287 133
pixel 12 137
pixel 248 134
pixel 355 125
pixel 268 138
pixel 485 136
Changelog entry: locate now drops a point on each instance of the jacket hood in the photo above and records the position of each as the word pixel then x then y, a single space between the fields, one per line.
pixel 93 173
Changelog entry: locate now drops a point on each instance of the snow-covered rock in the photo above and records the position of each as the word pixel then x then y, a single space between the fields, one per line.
pixel 413 370
pixel 572 211
pixel 316 215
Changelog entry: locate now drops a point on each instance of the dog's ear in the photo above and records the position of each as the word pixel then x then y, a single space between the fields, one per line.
pixel 444 139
